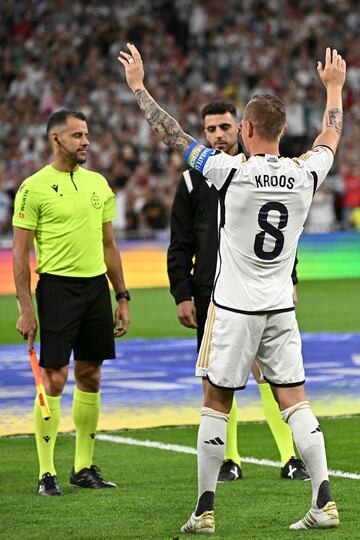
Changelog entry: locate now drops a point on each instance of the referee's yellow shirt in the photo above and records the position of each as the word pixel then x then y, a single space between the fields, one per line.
pixel 67 212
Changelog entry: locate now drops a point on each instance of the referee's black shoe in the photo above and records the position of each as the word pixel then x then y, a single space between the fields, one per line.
pixel 294 469
pixel 89 478
pixel 48 485
pixel 229 471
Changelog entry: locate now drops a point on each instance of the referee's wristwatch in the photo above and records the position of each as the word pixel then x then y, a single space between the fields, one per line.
pixel 122 294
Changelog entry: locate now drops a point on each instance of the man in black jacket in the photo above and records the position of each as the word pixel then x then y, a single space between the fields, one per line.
pixel 192 258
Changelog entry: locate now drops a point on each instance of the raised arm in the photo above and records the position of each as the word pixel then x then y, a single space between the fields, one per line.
pixel 333 78
pixel 159 120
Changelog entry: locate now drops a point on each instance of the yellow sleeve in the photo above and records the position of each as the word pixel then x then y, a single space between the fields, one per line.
pixel 109 204
pixel 26 208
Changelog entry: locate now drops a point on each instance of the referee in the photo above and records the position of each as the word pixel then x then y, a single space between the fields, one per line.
pixel 191 264
pixel 66 211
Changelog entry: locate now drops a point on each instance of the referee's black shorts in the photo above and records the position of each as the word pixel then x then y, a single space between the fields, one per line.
pixel 74 314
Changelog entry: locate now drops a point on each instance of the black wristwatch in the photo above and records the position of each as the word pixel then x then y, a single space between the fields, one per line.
pixel 123 294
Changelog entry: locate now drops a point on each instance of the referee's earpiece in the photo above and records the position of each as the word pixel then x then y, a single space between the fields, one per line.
pixel 72 154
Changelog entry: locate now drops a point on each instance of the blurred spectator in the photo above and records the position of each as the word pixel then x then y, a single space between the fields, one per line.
pixel 153 214
pixel 335 184
pixel 321 215
pixel 131 213
pixel 5 209
pixel 351 199
pixel 355 218
pixel 296 138
pixel 224 50
pixel 119 222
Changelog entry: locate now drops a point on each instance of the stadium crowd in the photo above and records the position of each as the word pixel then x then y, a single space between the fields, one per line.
pixel 62 54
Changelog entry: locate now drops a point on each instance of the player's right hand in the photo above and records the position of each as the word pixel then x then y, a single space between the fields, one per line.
pixel 333 74
pixel 134 70
pixel 186 313
pixel 27 327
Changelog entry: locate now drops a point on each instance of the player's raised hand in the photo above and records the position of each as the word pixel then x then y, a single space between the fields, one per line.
pixel 134 70
pixel 334 71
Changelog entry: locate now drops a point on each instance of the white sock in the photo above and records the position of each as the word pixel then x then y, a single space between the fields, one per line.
pixel 210 451
pixel 310 443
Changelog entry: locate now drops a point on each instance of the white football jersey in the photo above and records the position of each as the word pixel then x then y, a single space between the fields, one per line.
pixel 264 202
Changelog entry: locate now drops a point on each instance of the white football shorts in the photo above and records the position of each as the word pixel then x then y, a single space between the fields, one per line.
pixel 233 341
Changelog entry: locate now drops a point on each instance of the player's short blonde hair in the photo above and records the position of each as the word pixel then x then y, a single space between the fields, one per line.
pixel 268 115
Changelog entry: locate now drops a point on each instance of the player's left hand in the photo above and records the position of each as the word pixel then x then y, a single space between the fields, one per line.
pixel 334 72
pixel 134 70
pixel 122 318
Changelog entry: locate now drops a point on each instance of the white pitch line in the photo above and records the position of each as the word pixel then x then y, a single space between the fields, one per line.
pixel 149 444
pixel 190 450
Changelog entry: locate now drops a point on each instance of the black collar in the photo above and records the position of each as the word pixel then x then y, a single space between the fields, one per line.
pixel 263 155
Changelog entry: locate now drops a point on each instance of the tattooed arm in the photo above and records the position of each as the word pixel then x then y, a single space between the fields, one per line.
pixel 159 120
pixel 163 124
pixel 333 78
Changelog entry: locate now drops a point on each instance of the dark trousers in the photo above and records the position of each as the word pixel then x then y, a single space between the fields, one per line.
pixel 201 306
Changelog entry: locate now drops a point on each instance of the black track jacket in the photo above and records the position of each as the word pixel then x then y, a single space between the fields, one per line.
pixel 191 257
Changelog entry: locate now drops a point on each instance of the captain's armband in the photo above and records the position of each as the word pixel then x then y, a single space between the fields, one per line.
pixel 197 155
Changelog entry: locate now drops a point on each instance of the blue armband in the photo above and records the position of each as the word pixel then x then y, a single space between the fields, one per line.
pixel 197 155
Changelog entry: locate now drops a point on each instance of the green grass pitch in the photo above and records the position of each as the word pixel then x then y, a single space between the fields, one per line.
pixel 157 490
pixel 329 305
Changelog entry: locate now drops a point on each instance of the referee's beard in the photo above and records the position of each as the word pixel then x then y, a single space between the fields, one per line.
pixel 80 160
pixel 73 159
